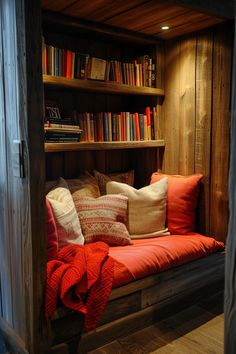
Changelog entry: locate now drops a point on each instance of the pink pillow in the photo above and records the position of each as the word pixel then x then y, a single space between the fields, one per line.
pixel 182 197
pixel 52 237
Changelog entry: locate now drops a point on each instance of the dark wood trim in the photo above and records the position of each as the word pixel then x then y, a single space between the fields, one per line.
pixel 224 9
pixel 230 264
pixel 32 97
pixel 54 20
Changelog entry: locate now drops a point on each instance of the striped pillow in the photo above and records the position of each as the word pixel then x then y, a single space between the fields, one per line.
pixel 104 219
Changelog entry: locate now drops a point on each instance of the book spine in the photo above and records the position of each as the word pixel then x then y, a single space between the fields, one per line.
pixel 68 63
pixel 127 126
pixel 105 125
pixel 147 110
pixel 137 130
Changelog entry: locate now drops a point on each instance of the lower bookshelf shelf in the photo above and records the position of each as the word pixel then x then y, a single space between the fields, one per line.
pixel 114 145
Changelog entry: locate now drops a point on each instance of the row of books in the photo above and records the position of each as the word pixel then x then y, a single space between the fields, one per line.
pixel 122 126
pixel 66 63
pixel 61 130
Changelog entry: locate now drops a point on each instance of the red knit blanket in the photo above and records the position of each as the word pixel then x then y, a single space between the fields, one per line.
pixel 82 278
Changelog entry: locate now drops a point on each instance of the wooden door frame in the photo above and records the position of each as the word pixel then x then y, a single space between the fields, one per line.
pixel 22 229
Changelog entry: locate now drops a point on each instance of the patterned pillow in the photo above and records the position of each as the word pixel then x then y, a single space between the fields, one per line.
pixel 146 208
pixel 83 186
pixel 67 221
pixel 122 177
pixel 104 219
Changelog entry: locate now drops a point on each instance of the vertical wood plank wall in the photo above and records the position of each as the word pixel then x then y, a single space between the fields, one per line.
pixel 22 210
pixel 195 120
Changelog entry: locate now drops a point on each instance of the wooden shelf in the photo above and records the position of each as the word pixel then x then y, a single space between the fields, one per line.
pixel 114 145
pixel 100 86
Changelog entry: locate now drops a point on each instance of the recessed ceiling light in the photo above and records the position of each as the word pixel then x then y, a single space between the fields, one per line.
pixel 165 27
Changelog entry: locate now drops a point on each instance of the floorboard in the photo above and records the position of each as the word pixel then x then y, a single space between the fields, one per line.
pixel 196 330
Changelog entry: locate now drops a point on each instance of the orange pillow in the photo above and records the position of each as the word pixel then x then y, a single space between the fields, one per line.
pixel 182 197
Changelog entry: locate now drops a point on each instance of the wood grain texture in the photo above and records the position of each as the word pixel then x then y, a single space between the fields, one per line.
pixel 35 242
pixel 220 132
pixel 170 124
pixel 114 145
pixel 195 120
pixel 190 325
pixel 142 302
pixel 187 105
pixel 204 64
pixel 144 17
pixel 230 264
pixel 100 86
pixel 23 198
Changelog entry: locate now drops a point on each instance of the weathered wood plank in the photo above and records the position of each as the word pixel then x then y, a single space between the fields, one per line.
pixel 220 133
pixel 23 197
pixel 187 105
pixel 230 265
pixel 204 64
pixel 171 124
pixel 176 281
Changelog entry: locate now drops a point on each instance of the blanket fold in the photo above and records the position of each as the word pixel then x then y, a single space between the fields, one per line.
pixel 82 279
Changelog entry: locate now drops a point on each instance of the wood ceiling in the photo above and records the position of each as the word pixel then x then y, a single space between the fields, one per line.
pixel 142 16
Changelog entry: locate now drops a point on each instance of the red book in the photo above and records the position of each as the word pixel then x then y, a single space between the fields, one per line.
pixel 64 54
pixel 68 63
pixel 148 122
pixel 137 130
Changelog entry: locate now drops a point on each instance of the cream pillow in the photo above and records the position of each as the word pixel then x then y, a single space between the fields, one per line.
pixel 146 208
pixel 67 220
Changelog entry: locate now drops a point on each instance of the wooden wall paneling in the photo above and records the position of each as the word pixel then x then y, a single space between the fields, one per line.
pixel 117 160
pixel 71 164
pixel 5 227
pixel 54 165
pixel 100 161
pixel 203 123
pixel 220 132
pixel 25 253
pixel 144 162
pixel 230 262
pixel 160 64
pixel 187 105
pixel 170 124
pixel 86 161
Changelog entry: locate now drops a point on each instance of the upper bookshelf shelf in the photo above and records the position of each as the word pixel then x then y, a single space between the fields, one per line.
pixel 100 86
pixel 114 145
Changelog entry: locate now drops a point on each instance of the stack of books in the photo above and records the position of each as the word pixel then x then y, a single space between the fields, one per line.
pixel 61 131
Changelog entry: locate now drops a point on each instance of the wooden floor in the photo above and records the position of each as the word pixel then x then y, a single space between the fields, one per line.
pixel 198 329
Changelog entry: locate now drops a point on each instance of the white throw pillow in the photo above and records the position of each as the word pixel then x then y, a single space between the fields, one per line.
pixel 146 208
pixel 66 217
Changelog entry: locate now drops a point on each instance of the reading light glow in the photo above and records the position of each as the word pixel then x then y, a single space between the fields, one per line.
pixel 165 27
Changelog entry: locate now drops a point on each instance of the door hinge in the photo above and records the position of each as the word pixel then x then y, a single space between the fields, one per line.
pixel 18 158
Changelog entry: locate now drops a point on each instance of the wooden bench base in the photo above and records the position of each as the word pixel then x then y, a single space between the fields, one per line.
pixel 139 304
